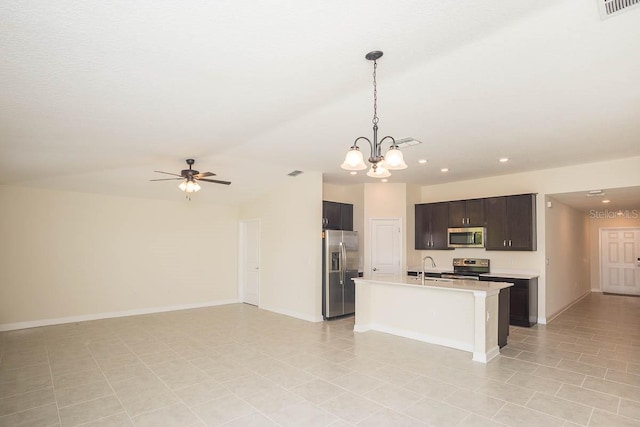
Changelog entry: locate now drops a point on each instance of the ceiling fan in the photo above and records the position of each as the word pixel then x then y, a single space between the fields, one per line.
pixel 190 178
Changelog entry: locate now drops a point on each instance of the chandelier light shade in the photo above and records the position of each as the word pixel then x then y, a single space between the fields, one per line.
pixel 380 165
pixel 379 171
pixel 354 161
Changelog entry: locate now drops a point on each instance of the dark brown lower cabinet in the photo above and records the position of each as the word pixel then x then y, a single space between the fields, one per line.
pixel 523 299
pixel 503 317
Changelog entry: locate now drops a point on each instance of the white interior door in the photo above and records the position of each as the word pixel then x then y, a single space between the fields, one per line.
pixel 386 248
pixel 250 261
pixel 620 260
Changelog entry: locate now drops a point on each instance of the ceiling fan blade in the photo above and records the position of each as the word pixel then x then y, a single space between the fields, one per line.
pixel 166 179
pixel 215 181
pixel 169 173
pixel 204 174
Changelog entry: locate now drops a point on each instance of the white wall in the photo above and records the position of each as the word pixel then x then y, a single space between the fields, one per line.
pixel 384 200
pixel 568 270
pixel 68 256
pixel 413 197
pixel 291 247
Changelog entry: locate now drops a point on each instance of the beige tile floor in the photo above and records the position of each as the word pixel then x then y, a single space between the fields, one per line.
pixel 237 365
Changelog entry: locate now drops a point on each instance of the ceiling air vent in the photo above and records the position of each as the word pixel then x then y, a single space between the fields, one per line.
pixel 407 142
pixel 294 173
pixel 609 8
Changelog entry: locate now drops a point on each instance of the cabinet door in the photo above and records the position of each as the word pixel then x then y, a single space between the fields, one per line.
pixel 495 218
pixel 331 215
pixel 457 214
pixel 422 229
pixel 521 224
pixel 475 212
pixel 346 216
pixel 519 303
pixel 439 225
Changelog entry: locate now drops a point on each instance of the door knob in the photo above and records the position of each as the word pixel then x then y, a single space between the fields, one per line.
pixel 375 269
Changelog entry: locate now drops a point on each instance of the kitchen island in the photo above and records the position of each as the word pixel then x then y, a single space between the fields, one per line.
pixel 461 314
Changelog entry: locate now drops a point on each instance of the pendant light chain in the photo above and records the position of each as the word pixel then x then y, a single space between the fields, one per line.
pixel 375 95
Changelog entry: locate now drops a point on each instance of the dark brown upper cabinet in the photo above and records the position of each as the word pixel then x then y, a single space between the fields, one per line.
pixel 511 223
pixel 466 213
pixel 432 220
pixel 337 216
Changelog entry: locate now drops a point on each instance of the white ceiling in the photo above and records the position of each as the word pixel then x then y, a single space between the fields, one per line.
pixel 619 199
pixel 97 95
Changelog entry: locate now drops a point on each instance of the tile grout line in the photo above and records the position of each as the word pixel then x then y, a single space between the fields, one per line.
pixel 53 388
pixel 109 383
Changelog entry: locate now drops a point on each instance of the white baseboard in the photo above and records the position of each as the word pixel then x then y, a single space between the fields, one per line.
pixel 97 316
pixel 361 328
pixel 297 315
pixel 486 357
pixel 460 345
pixel 568 306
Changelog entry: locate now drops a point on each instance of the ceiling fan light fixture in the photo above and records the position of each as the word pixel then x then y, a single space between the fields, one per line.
pixel 190 177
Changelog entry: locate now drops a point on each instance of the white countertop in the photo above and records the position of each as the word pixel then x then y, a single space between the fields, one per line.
pixel 452 284
pixel 507 274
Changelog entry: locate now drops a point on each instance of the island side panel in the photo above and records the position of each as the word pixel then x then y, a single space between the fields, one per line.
pixel 486 326
pixel 363 307
pixel 434 315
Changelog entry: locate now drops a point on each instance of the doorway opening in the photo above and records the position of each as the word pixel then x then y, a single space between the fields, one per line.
pixel 249 265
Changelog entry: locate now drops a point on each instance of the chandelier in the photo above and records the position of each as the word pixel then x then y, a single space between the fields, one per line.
pixel 380 165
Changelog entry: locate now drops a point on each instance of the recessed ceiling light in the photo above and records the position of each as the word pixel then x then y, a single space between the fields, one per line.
pixel 384 180
pixel 422 161
pixel 504 159
pixel 595 193
pixel 444 170
pixel 353 173
pixel 606 201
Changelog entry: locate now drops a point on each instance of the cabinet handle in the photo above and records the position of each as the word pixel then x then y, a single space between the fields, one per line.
pixel 509 242
pixel 504 243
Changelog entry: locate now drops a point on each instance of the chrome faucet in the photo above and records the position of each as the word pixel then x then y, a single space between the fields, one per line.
pixel 433 264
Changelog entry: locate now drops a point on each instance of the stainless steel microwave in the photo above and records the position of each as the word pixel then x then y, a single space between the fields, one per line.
pixel 466 237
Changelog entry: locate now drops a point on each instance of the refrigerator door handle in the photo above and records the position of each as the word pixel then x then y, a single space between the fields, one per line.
pixel 341 266
pixel 342 262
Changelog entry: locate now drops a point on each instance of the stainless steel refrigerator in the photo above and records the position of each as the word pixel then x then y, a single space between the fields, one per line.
pixel 340 261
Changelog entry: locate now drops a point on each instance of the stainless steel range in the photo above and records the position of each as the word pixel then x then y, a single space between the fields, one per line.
pixel 468 268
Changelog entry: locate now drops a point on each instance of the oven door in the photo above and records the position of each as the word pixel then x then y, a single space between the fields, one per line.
pixel 468 237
